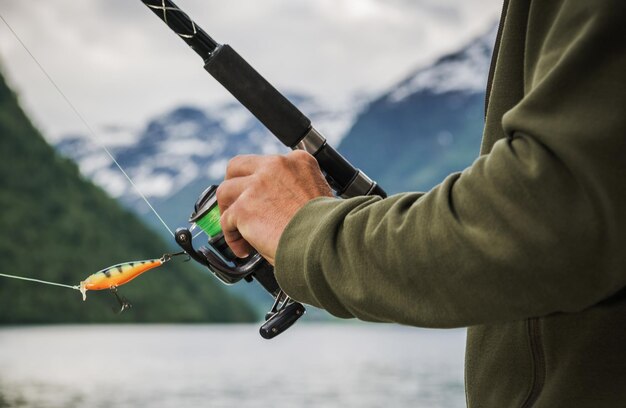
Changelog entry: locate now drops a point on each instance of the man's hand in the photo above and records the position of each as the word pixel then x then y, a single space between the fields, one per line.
pixel 260 195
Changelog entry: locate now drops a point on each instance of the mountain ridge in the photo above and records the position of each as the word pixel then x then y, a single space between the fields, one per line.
pixel 59 227
pixel 428 125
pixel 181 150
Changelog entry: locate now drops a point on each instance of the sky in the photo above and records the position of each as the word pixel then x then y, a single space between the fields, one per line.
pixel 120 65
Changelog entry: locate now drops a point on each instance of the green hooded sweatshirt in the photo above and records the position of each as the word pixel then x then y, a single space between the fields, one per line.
pixel 527 246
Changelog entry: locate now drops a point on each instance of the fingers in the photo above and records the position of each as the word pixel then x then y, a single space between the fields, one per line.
pixel 235 241
pixel 260 194
pixel 229 191
pixel 243 165
pixel 240 247
pixel 227 194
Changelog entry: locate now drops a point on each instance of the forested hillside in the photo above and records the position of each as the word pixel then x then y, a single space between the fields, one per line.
pixel 56 226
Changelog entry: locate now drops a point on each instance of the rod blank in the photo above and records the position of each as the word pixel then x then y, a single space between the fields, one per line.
pixel 185 27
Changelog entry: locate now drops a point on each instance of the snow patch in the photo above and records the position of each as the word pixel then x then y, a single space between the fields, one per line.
pixel 112 181
pixel 191 147
pixel 118 136
pixel 154 185
pixel 187 144
pixel 93 162
pixel 183 130
pixel 465 71
pixel 235 119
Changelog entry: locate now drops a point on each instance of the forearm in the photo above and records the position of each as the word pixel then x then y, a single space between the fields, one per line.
pixel 511 237
pixel 536 226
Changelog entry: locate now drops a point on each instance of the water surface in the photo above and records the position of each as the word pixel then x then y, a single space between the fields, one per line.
pixel 167 366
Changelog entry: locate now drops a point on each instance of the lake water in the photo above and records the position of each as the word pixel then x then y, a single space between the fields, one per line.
pixel 163 366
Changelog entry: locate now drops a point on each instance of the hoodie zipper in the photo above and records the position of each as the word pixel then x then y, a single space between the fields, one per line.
pixel 539 362
pixel 494 55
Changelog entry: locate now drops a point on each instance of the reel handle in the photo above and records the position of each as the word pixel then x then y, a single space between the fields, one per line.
pixel 285 311
pixel 282 320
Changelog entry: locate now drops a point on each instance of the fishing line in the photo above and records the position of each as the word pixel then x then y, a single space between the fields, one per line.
pixel 40 281
pixel 210 222
pixel 90 132
pixel 192 228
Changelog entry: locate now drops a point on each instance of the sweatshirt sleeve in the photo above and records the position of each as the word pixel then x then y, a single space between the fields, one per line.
pixel 534 227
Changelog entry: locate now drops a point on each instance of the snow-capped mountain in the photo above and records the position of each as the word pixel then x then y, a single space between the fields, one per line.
pixel 182 148
pixel 412 136
pixel 463 71
pixel 423 128
pixel 428 125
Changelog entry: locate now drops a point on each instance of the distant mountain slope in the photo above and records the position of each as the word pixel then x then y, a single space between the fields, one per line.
pixel 427 126
pixel 59 227
pixel 178 153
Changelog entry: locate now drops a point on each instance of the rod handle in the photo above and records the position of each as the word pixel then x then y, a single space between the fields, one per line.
pixel 254 92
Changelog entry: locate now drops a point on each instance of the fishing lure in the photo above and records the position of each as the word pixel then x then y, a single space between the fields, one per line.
pixel 109 278
pixel 117 275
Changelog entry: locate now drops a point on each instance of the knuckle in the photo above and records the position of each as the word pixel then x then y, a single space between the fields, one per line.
pixel 227 221
pixel 305 159
pixel 277 160
pixel 233 162
pixel 258 185
pixel 223 195
pixel 301 155
pixel 231 166
pixel 220 193
pixel 236 162
pixel 224 217
pixel 272 164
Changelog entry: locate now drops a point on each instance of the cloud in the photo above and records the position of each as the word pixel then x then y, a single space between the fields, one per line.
pixel 120 64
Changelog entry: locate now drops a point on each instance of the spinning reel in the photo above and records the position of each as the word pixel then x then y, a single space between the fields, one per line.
pixel 220 260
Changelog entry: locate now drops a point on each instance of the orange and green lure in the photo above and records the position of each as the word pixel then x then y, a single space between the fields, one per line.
pixel 109 278
pixel 117 275
pixel 120 274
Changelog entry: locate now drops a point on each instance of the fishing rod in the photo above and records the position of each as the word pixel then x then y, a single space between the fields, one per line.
pixel 291 127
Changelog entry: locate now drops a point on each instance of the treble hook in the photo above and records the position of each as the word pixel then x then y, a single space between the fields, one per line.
pixel 123 302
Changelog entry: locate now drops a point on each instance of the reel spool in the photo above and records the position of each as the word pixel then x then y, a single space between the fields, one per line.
pixel 220 260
